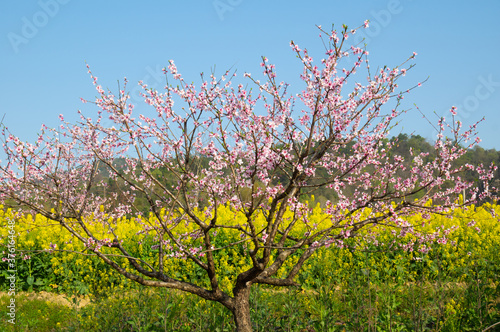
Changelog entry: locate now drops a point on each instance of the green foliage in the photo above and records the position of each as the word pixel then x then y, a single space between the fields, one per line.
pixel 34 315
pixel 361 287
pixel 403 143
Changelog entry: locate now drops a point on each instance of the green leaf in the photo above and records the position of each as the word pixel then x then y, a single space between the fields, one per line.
pixel 39 282
pixel 30 280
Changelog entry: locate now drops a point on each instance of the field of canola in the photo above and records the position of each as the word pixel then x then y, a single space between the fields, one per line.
pixel 465 266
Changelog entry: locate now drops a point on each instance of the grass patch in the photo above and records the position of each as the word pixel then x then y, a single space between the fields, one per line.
pixel 361 307
pixel 35 314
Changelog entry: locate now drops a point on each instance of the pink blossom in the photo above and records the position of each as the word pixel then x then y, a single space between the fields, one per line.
pixel 254 149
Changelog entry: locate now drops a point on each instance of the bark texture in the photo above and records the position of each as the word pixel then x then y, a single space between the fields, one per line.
pixel 241 309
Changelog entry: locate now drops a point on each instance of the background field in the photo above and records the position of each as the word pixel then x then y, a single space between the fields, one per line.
pixel 450 286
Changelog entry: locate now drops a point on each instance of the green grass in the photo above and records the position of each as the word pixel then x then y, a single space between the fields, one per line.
pixel 35 315
pixel 361 307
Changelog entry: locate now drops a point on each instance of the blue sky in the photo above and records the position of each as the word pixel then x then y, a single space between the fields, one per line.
pixel 45 45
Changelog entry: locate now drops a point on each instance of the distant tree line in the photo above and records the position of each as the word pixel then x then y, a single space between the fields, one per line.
pixel 402 145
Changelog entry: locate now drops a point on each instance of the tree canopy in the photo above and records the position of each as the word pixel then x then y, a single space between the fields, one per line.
pixel 256 150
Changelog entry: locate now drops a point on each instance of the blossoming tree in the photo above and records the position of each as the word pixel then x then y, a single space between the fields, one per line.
pixel 263 147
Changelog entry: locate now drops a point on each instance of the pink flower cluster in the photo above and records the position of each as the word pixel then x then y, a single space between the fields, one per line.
pixel 255 147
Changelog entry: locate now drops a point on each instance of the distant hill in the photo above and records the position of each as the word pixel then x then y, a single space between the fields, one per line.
pixel 403 143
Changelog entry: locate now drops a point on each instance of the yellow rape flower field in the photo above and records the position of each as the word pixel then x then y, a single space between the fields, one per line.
pixel 450 283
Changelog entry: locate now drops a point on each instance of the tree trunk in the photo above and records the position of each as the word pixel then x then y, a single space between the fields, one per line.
pixel 241 309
